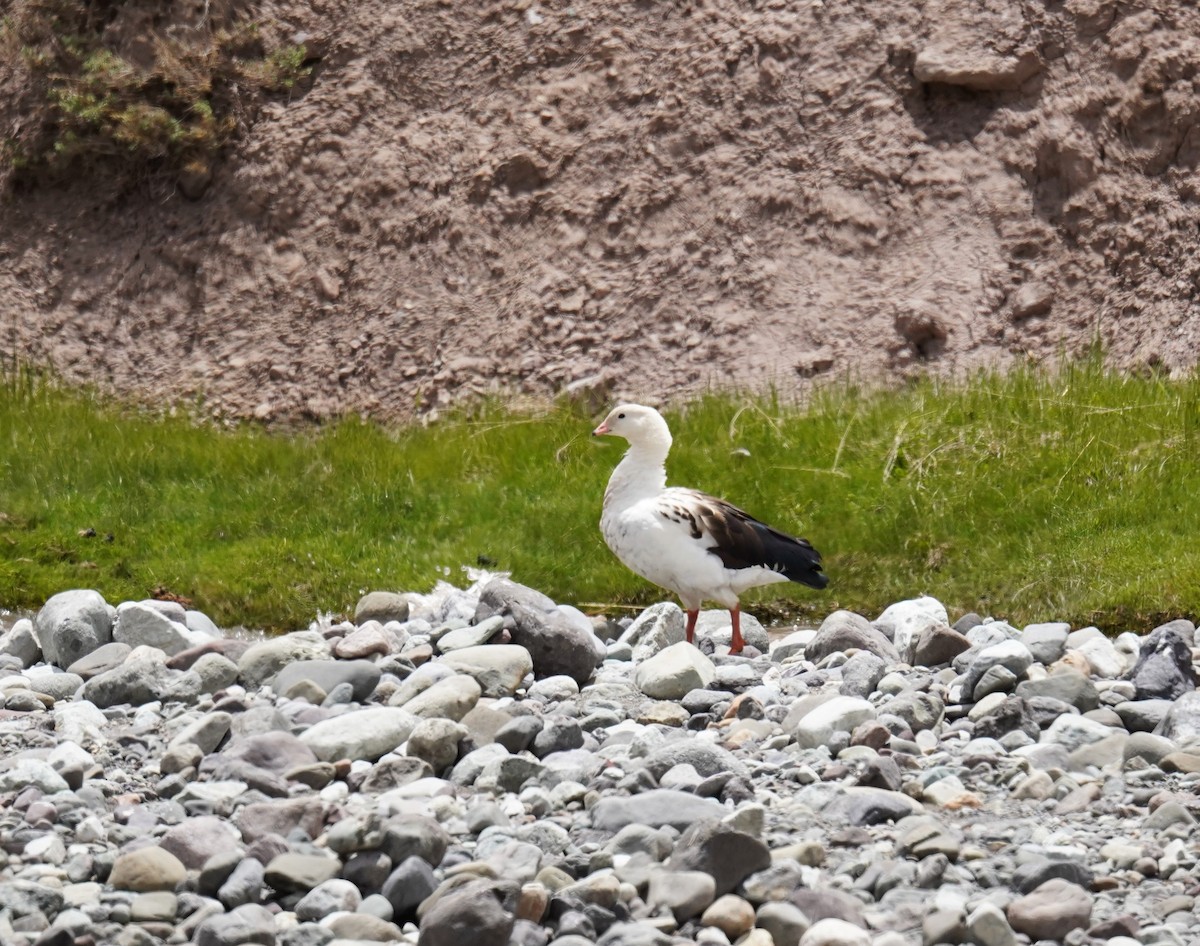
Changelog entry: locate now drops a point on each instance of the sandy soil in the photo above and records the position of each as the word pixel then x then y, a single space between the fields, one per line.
pixel 646 198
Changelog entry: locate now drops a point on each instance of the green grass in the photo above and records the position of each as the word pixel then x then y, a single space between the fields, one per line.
pixel 1034 495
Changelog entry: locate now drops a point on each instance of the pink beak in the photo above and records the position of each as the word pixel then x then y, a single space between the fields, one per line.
pixel 602 429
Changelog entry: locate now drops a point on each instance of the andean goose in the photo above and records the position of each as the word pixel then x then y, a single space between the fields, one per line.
pixel 700 547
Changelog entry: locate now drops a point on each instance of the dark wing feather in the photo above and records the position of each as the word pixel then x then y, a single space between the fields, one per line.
pixel 743 542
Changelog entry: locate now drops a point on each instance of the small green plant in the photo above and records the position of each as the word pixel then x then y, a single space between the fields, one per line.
pixel 94 107
pixel 284 68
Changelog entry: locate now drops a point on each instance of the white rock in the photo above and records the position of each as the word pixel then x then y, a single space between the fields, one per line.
pixel 46 849
pixel 988 926
pixel 1102 657
pixel 80 722
pixel 673 672
pixel 834 932
pixel 365 734
pixel 1072 732
pixel 35 773
pixel 141 623
pixel 840 714
pixel 904 620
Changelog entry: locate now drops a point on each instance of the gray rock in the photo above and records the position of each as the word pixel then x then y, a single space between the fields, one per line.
pixel 50 681
pixel 244 884
pixel 365 734
pixel 247 924
pixel 1143 715
pixel 207 731
pixel 1032 874
pixel 1072 732
pixel 1164 668
pixel 996 679
pixel 1046 642
pixel 1010 654
pixel 72 624
pixel 1067 684
pixel 473 635
pixel 407 886
pixel 137 681
pixel 786 922
pixel 216 672
pixel 655 808
pixel 474 913
pixel 655 629
pixel 861 674
pixel 381 606
pixel 1051 911
pixel 825 903
pixel 717 849
pixel 920 711
pixel 387 774
pixel 406 836
pixel 362 675
pixel 554 689
pixel 262 661
pixel 435 741
pixel 844 630
pixel 500 595
pixel 1144 745
pixel 499 669
pixel 938 644
pixel 1010 716
pixel 21 642
pixel 293 872
pixel 556 644
pixel 559 734
pixel 706 758
pixel 331 896
pixel 450 698
pixel 105 657
pixel 509 773
pixel 277 752
pixel 281 817
pixel 141 624
pixel 864 805
pixel 195 840
pixel 363 928
pixel 686 893
pixel 517 734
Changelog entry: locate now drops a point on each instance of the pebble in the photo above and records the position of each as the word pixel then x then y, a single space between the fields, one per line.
pixel 879 782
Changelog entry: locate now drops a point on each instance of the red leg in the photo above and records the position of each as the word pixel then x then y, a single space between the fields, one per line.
pixel 691 623
pixel 736 644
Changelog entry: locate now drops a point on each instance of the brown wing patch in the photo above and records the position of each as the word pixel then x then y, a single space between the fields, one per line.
pixel 677 512
pixel 741 541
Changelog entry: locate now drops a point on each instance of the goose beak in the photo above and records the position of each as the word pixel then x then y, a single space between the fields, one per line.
pixel 601 430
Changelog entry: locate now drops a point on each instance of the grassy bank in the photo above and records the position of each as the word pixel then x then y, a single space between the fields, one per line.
pixel 1032 496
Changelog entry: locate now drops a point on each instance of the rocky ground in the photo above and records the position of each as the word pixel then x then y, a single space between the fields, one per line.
pixel 482 767
pixel 532 196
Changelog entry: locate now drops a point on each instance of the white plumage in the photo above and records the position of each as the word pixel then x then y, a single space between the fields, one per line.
pixel 700 547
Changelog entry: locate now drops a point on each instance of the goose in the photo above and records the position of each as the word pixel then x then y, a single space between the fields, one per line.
pixel 695 545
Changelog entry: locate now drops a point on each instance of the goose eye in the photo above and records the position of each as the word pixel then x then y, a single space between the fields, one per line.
pixel 620 416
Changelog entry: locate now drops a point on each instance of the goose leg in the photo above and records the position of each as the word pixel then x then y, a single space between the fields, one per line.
pixel 691 623
pixel 735 643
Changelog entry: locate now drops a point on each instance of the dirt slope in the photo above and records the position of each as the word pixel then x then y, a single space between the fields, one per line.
pixel 653 196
